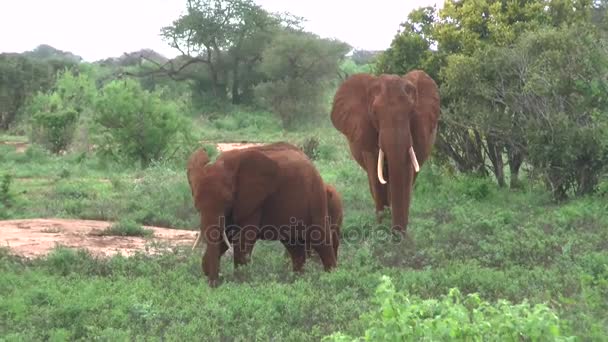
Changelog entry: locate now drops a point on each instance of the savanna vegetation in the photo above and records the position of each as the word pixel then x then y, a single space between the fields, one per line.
pixel 509 218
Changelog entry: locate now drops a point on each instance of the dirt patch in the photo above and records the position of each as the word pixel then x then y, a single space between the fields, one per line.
pixel 36 237
pixel 223 147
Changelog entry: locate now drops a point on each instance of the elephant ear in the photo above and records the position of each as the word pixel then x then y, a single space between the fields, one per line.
pixel 352 101
pixel 255 179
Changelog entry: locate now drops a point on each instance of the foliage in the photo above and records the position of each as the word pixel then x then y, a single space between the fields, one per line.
pixel 310 146
pixel 350 67
pixel 6 197
pixel 223 41
pixel 21 78
pixel 298 67
pixel 55 114
pixel 502 245
pixel 569 122
pixel 454 317
pixel 136 125
pixel 503 75
pixel 126 228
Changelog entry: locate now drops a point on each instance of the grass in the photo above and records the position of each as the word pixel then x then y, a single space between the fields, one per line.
pixel 126 228
pixel 471 236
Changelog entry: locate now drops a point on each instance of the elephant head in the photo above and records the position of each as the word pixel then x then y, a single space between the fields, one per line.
pixel 389 121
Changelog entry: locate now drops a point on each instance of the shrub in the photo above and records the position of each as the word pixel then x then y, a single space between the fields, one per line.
pixel 310 146
pixel 136 125
pixel 126 228
pixel 454 317
pixel 6 197
pixel 55 114
pixel 53 123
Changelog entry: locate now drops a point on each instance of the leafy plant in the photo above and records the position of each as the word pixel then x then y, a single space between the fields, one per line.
pixel 136 125
pixel 126 228
pixel 310 146
pixel 454 317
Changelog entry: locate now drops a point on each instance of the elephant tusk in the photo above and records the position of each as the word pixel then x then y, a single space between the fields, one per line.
pixel 380 166
pixel 227 241
pixel 414 159
pixel 198 237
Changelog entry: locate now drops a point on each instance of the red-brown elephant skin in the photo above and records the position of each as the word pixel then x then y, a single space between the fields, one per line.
pixel 268 192
pixel 390 122
pixel 335 211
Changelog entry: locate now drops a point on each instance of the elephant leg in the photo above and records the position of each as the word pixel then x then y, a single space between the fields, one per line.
pixel 246 239
pixel 298 255
pixel 320 241
pixel 379 191
pixel 211 261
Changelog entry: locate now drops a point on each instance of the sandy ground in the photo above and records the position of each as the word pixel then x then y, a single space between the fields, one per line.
pixel 223 147
pixel 36 237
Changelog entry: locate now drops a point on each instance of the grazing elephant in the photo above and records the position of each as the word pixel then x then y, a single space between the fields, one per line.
pixel 390 123
pixel 269 192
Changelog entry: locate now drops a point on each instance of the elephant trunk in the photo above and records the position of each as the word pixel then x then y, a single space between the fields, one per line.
pixel 402 164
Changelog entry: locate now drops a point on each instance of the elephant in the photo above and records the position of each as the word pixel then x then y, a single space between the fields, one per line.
pixel 267 192
pixel 390 122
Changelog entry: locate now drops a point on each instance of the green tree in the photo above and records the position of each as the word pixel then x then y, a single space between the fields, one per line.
pixel 136 125
pixel 56 113
pixel 21 78
pixel 298 67
pixel 563 95
pixel 227 37
pixel 457 46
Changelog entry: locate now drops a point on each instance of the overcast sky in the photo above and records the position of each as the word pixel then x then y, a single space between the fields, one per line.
pixel 96 29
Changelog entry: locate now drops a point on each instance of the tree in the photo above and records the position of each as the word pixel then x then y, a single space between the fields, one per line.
pixel 56 113
pixel 457 46
pixel 21 77
pixel 227 37
pixel 136 125
pixel 298 66
pixel 563 95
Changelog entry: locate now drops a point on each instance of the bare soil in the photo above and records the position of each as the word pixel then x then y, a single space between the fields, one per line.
pixel 36 237
pixel 223 147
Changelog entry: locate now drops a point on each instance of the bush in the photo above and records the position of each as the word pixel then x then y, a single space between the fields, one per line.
pixel 136 125
pixel 53 124
pixel 55 114
pixel 127 228
pixel 6 197
pixel 454 317
pixel 310 146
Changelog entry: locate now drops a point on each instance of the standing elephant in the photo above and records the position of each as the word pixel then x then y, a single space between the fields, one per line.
pixel 390 123
pixel 269 192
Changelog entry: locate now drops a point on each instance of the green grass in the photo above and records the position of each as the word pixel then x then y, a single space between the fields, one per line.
pixel 126 228
pixel 470 235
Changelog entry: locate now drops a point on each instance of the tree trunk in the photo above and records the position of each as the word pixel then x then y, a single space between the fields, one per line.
pixel 515 158
pixel 494 152
pixel 236 99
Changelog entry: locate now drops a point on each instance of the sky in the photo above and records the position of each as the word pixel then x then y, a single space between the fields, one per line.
pixel 97 29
